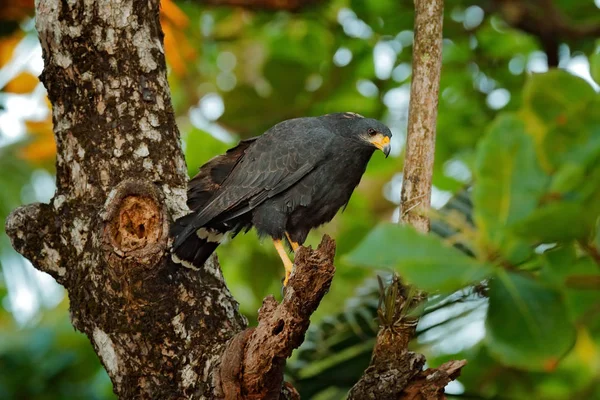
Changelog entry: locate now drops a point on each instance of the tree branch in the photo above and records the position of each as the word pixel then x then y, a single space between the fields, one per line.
pixel 252 366
pixel 430 384
pixel 394 372
pixel 34 243
pixel 392 366
pixel 543 19
pixel 422 114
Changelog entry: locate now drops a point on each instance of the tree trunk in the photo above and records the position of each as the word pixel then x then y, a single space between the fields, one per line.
pixel 394 372
pixel 121 178
pixel 422 114
pixel 159 329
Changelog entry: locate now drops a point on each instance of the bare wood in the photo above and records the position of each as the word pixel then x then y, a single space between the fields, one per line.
pixel 430 384
pixel 422 114
pixel 392 366
pixel 252 366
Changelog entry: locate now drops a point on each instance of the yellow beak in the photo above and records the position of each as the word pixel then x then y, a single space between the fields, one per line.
pixel 382 142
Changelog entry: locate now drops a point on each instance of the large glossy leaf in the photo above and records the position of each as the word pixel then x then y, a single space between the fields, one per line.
pixel 509 185
pixel 578 278
pixel 528 325
pixel 557 221
pixel 423 260
pixel 557 95
pixel 596 241
pixel 561 110
pixel 575 141
pixel 567 178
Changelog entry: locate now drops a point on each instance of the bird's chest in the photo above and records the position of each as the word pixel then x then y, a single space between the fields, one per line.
pixel 335 184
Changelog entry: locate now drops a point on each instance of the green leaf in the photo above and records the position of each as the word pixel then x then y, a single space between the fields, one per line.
pixel 561 114
pixel 528 325
pixel 423 260
pixel 509 185
pixel 596 241
pixel 575 140
pixel 564 269
pixel 567 178
pixel 555 222
pixel 505 46
pixel 556 96
pixel 595 67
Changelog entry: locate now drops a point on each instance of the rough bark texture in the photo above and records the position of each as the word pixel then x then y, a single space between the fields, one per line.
pixel 394 372
pixel 392 366
pixel 281 328
pixel 422 114
pixel 160 329
pixel 121 179
pixel 430 384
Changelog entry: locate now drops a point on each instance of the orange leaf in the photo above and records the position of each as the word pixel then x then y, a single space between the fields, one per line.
pixel 39 151
pixel 551 364
pixel 22 83
pixel 177 48
pixel 175 58
pixel 40 128
pixel 170 11
pixel 16 10
pixel 43 147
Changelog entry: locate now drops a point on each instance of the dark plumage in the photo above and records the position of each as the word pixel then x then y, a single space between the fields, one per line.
pixel 294 177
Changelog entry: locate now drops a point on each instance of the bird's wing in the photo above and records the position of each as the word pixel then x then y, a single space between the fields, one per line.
pixel 284 184
pixel 211 175
pixel 270 165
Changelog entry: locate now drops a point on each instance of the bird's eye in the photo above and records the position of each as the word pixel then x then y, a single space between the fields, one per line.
pixel 372 132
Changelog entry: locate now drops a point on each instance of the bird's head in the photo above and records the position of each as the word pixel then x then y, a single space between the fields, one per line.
pixel 366 130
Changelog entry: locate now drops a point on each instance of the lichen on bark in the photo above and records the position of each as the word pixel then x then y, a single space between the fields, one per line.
pixel 159 329
pixel 121 179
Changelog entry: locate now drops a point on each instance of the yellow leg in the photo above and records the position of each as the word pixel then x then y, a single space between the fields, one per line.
pixel 295 246
pixel 287 263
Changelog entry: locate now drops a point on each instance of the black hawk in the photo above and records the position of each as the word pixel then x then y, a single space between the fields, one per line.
pixel 291 179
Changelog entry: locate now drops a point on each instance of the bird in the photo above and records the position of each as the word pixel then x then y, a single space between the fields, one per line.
pixel 294 177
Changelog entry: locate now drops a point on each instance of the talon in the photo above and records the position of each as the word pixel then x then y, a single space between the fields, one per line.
pixel 287 278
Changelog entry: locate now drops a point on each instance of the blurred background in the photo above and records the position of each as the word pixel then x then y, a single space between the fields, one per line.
pixel 234 72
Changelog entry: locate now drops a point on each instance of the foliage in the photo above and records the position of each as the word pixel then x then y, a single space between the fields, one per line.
pixel 524 233
pixel 535 198
pixel 32 368
pixel 447 268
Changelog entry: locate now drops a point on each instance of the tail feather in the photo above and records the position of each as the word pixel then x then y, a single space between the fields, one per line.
pixel 193 249
pixel 194 243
